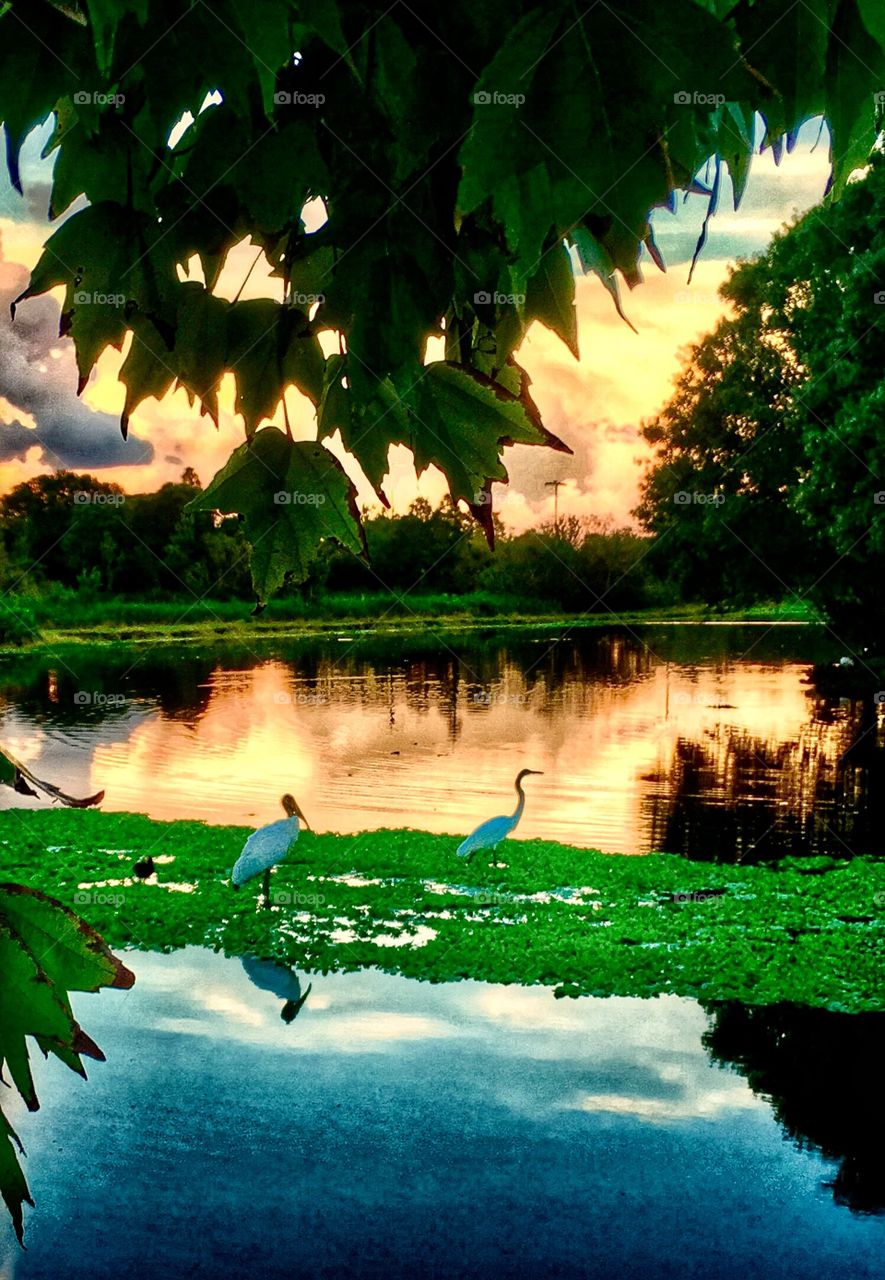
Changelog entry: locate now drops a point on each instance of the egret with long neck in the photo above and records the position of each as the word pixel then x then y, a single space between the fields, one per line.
pixel 489 834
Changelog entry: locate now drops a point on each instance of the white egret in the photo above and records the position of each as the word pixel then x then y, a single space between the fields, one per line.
pixel 267 846
pixel 488 835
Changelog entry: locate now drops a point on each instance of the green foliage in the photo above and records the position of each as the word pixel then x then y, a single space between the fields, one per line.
pixel 292 495
pixel 778 414
pixel 17 625
pixel 584 568
pixel 46 951
pixel 83 554
pixel 68 535
pixel 456 160
pixel 581 921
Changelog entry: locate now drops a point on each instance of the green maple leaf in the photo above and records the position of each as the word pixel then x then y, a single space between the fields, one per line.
pixel 196 362
pixel 13 1184
pixel 368 428
pixel 148 369
pixel 270 347
pixel 200 344
pixel 45 952
pixel 42 60
pixel 292 495
pixel 460 422
pixel 550 296
pixel 113 263
pixel 104 18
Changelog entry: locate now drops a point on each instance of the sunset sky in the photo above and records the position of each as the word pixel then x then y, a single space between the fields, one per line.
pixel 595 404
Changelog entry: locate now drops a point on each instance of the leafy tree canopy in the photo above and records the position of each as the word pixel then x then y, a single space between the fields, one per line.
pixel 460 154
pixel 771 472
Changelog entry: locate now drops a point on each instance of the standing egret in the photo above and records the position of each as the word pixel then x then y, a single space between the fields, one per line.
pixel 267 846
pixel 488 835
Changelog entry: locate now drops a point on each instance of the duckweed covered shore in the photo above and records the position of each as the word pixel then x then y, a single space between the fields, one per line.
pixel 810 931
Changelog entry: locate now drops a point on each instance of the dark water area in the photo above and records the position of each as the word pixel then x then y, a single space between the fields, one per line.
pixel 711 741
pixel 395 1128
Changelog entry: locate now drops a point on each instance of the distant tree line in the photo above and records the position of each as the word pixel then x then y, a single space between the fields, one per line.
pixel 74 531
pixel 65 531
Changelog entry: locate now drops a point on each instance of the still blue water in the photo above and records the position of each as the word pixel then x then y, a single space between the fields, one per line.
pixel 396 1128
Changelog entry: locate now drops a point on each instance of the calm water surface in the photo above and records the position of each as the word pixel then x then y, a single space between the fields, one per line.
pixel 708 740
pixel 395 1128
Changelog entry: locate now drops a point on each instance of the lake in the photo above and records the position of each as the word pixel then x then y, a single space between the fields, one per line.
pixel 395 1128
pixel 251 1121
pixel 707 740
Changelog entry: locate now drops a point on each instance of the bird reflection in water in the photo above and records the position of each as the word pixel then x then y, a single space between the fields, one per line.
pixel 281 981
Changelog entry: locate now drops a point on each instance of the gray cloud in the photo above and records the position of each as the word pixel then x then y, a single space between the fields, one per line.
pixel 68 432
pixel 33 206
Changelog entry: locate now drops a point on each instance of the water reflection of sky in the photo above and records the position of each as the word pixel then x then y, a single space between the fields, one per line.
pixel 398 1127
pixel 618 728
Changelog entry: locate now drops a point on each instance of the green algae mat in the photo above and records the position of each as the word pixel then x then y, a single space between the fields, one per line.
pixel 585 923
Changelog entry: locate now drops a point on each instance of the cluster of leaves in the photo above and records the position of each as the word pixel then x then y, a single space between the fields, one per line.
pixel 463 159
pixel 778 413
pixel 46 951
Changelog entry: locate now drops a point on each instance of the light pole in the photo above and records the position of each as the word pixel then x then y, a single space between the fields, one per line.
pixel 554 485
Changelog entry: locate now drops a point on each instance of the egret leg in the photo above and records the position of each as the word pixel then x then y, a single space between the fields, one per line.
pixel 267 888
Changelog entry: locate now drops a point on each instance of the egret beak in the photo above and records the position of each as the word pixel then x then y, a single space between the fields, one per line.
pixel 293 809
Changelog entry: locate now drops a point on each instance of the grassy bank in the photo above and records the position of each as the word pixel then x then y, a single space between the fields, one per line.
pixel 580 921
pixel 27 621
